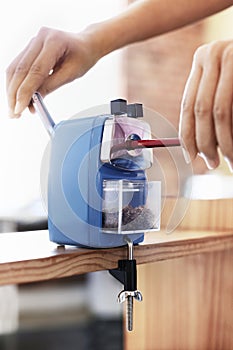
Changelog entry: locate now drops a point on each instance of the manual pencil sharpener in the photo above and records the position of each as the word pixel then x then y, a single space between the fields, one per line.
pixel 98 192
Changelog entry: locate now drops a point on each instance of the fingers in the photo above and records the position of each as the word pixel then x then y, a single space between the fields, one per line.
pixel 223 117
pixel 37 74
pixel 31 70
pixel 187 116
pixel 51 59
pixel 205 129
pixel 206 113
pixel 15 74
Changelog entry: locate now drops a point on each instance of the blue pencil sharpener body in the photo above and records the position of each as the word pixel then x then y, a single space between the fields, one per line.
pixel 97 192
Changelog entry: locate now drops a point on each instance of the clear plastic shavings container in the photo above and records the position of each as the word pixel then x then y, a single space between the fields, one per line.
pixel 131 206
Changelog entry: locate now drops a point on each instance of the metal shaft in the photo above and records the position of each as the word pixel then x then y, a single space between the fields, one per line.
pixel 129 313
pixel 130 249
pixel 129 297
pixel 42 111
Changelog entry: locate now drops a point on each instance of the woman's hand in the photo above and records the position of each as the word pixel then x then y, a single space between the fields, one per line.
pixel 51 59
pixel 206 113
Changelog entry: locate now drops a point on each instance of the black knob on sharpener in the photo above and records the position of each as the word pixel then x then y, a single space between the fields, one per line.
pixel 118 107
pixel 135 110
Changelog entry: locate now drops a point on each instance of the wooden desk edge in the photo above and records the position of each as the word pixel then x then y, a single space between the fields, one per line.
pixel 69 261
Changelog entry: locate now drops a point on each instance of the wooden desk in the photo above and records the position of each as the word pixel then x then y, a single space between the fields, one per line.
pixel 30 256
pixel 186 277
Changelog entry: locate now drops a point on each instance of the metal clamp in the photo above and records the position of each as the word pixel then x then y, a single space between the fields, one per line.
pixel 126 273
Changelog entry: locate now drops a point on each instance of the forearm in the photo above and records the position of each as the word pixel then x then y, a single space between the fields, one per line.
pixel 148 18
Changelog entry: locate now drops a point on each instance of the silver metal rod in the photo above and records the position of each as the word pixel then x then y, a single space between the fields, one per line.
pixel 130 247
pixel 129 313
pixel 120 204
pixel 129 298
pixel 42 111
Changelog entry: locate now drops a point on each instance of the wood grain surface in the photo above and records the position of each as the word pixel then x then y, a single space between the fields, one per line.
pixel 188 304
pixel 30 256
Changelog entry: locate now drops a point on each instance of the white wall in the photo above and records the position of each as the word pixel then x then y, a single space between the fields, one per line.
pixel 22 141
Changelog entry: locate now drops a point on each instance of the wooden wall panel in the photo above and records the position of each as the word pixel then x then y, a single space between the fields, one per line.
pixel 188 304
pixel 156 71
pixel 207 215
